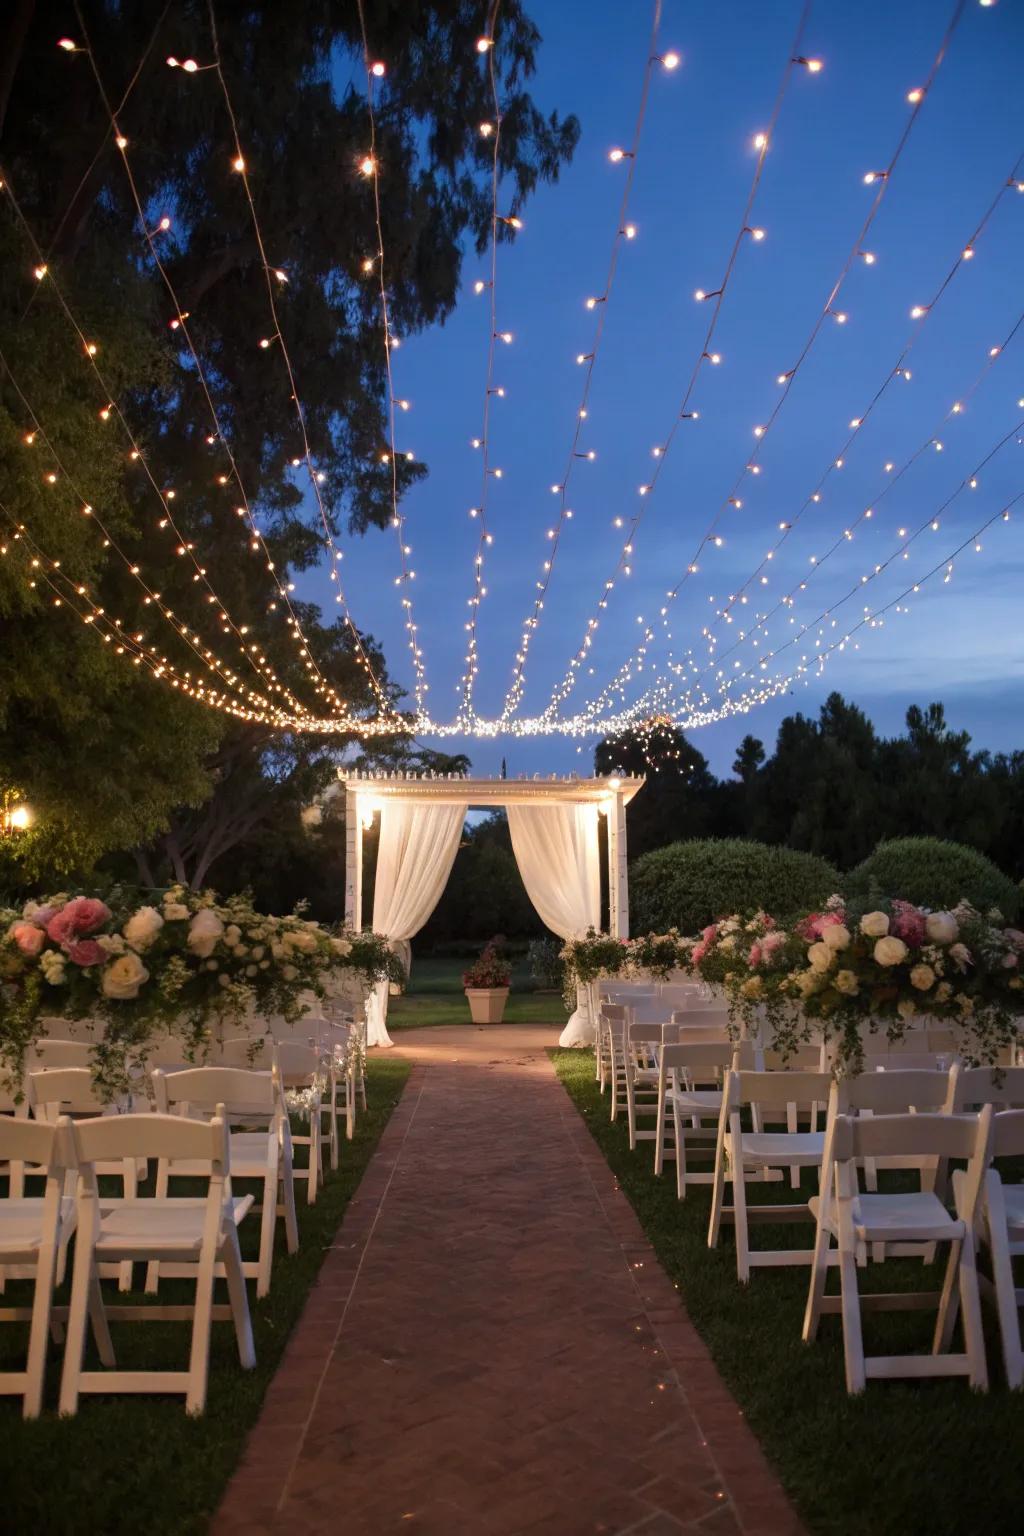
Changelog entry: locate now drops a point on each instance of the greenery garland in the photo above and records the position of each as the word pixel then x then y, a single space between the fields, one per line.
pixel 141 963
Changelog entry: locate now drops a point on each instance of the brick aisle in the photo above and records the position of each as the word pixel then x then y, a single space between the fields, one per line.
pixel 492 1347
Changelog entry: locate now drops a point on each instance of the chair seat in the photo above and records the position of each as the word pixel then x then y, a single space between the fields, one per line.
pixel 159 1226
pixel 1013 1199
pixel 248 1158
pixel 21 1223
pixel 791 1149
pixel 912 1216
pixel 706 1101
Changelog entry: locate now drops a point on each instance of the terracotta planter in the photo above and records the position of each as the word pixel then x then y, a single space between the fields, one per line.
pixel 487 1004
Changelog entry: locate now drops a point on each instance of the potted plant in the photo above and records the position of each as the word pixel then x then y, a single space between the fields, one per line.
pixel 486 983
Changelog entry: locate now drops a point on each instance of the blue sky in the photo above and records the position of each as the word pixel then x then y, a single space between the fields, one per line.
pixel 960 641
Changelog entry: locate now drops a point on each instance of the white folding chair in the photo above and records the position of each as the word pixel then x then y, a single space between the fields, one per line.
pixel 33 1239
pixel 690 1075
pixel 643 1044
pixel 1003 1233
pixel 858 1221
pixel 248 1099
pixel 71 1091
pixel 606 1014
pixel 195 1236
pixel 702 1024
pixel 49 1055
pixel 300 1069
pixel 759 1153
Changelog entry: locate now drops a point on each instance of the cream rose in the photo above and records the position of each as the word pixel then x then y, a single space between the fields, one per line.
pixel 874 925
pixel 302 940
pixel 175 911
pixel 808 981
pixel 820 956
pixel 752 987
pixel 204 931
pixel 232 935
pixel 890 951
pixel 123 977
pixel 941 927
pixel 341 946
pixel 846 982
pixel 836 936
pixel 142 928
pixel 922 977
pixel 906 1008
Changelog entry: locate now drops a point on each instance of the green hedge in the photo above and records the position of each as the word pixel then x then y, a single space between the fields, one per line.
pixel 933 873
pixel 688 885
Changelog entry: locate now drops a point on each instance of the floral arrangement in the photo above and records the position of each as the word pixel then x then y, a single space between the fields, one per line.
pixel 490 970
pixel 175 960
pixel 833 973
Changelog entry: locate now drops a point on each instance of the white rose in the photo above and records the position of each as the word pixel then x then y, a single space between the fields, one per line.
pixel 922 977
pixel 175 911
pixel 874 925
pixel 51 962
pixel 258 952
pixel 203 932
pixel 941 927
pixel 890 951
pixel 846 982
pixel 820 956
pixel 809 981
pixel 906 1008
pixel 232 934
pixel 142 928
pixel 341 946
pixel 123 977
pixel 289 972
pixel 836 936
pixel 110 943
pixel 303 940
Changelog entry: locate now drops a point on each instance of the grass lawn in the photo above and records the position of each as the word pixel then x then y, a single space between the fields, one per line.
pixel 435 997
pixel 932 1458
pixel 141 1463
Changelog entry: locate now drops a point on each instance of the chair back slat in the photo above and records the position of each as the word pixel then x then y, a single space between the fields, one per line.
pixel 295 1060
pixel 892 1092
pixel 1000 1086
pixel 158 1136
pixel 778 1089
pixel 908 1135
pixel 70 1089
pixel 204 1088
pixel 52 1055
pixel 1008 1133
pixel 698 1056
pixel 29 1141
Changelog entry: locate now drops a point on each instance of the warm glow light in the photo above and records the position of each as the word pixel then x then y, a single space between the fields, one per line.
pixel 378 70
pixel 483 43
pixel 367 166
pixel 671 60
pixel 238 163
pixel 760 140
pixel 916 95
pixel 67 44
pixel 20 818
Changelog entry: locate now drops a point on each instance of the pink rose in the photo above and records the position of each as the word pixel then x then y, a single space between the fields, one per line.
pixel 709 933
pixel 42 915
pixel 28 937
pixel 83 915
pixel 908 923
pixel 754 958
pixel 811 926
pixel 1009 962
pixel 86 952
pixel 772 941
pixel 698 953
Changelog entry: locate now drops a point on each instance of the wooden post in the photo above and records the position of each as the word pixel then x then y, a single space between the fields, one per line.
pixel 618 880
pixel 353 861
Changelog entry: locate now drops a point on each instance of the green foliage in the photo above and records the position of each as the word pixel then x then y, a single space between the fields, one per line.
pixel 688 885
pixel 545 961
pixel 931 872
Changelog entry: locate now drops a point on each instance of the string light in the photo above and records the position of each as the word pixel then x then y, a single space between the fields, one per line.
pixel 361 656
pixel 858 422
pixel 623 564
pixel 624 230
pixel 828 309
pixel 322 687
pixel 406 572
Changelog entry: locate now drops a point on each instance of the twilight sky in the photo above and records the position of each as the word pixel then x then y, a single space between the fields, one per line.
pixel 960 640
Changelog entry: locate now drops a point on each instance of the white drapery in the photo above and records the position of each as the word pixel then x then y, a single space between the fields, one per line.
pixel 418 844
pixel 557 852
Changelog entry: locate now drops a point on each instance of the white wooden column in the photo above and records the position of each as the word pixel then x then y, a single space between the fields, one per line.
pixel 618 880
pixel 353 861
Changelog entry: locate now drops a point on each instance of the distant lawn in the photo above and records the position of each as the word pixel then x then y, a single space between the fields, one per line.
pixel 141 1464
pixel 903 1459
pixel 435 997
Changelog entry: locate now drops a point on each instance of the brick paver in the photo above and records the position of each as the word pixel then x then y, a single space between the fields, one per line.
pixel 492 1347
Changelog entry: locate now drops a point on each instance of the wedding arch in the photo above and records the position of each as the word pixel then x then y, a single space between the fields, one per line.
pixel 554 827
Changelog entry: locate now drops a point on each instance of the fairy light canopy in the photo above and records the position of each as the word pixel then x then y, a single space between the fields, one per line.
pixel 751 634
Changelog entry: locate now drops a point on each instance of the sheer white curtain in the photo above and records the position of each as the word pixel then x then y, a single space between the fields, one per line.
pixel 557 853
pixel 418 844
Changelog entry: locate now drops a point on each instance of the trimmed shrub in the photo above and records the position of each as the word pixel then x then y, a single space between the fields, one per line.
pixel 688 885
pixel 933 873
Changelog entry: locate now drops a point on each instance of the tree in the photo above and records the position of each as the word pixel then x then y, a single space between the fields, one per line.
pixel 679 799
pixel 66 705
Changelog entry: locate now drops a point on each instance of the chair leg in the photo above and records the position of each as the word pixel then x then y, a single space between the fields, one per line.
pixel 631 1106
pixel 853 1336
pixel 36 1365
pixel 291 1225
pixel 717 1200
pixel 131 1192
pixel 819 1276
pixel 238 1296
pixel 98 1321
pixel 739 1205
pixel 268 1223
pixel 970 1305
pixel 333 1127
pixel 1002 1275
pixel 679 1131
pixel 199 1354
pixel 659 1133
pixel 313 1172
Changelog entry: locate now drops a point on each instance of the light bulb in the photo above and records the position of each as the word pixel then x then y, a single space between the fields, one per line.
pixel 629 230
pixel 280 274
pixel 483 43
pixel 378 70
pixel 238 163
pixel 165 223
pixel 918 310
pixel 67 44
pixel 40 272
pixel 486 129
pixel 760 140
pixel 869 258
pixel 968 253
pixel 713 357
pixel 121 141
pixel 367 165
pixel 916 95
pixel 699 295
pixel 757 233
pixel 671 60
pixel 615 155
